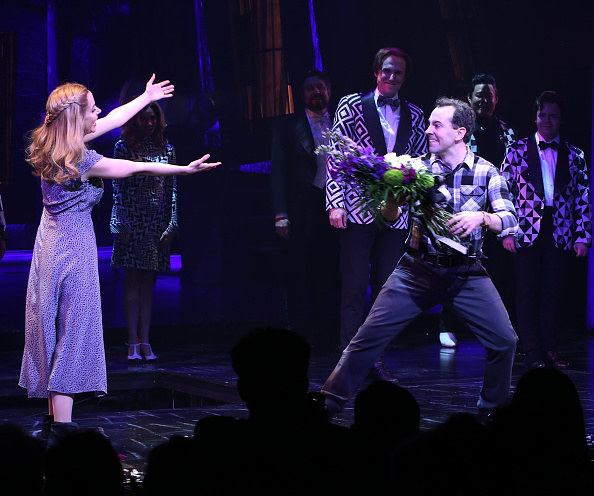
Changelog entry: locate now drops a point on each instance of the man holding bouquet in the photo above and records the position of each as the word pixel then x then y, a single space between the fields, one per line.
pixel 384 122
pixel 438 269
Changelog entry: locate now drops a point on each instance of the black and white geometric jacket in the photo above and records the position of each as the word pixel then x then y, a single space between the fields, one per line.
pixel 572 215
pixel 357 118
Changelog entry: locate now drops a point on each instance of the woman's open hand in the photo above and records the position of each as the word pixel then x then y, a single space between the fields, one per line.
pixel 201 165
pixel 158 91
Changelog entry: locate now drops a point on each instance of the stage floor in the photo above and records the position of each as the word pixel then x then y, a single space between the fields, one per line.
pixel 194 329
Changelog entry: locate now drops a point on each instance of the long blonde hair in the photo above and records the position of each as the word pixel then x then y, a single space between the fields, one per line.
pixel 57 145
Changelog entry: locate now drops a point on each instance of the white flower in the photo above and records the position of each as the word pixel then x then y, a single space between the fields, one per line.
pixel 418 165
pixel 397 160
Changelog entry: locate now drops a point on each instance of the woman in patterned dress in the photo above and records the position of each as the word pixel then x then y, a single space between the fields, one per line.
pixel 64 352
pixel 144 220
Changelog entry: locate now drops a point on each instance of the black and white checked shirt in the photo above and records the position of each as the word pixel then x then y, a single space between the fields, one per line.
pixel 474 185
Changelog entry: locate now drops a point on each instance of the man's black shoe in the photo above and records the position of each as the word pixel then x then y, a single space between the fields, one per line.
pixel 331 407
pixel 379 373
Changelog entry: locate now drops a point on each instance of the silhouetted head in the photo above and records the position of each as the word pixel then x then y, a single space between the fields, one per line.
pixel 21 462
pixel 172 469
pixel 271 366
pixel 83 463
pixel 546 398
pixel 388 408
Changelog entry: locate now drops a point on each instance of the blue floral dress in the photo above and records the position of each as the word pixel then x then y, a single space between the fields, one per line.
pixel 64 349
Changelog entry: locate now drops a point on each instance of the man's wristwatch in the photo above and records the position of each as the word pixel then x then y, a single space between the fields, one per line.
pixel 486 219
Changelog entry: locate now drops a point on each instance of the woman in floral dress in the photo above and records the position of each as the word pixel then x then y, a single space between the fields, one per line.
pixel 64 352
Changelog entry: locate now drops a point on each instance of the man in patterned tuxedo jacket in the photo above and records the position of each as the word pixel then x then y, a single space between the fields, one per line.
pixel 549 180
pixel 297 180
pixel 368 252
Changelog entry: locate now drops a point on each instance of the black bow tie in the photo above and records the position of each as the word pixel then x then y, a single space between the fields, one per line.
pixel 382 101
pixel 543 145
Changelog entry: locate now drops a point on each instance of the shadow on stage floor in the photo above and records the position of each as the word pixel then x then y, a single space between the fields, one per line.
pixel 193 332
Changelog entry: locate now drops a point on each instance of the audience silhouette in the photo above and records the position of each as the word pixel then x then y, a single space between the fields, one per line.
pixel 385 415
pixel 286 446
pixel 171 469
pixel 21 462
pixel 541 438
pixel 534 446
pixel 83 462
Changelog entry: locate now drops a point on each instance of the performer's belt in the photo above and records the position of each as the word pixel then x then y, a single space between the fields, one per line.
pixel 442 260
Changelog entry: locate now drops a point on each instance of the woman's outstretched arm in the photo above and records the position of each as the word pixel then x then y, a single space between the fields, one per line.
pixel 120 115
pixel 113 168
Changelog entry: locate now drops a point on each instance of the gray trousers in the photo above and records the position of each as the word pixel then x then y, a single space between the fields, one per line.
pixel 415 286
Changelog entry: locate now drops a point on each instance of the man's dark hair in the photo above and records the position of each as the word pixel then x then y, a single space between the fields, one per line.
pixel 384 53
pixel 483 79
pixel 547 97
pixel 463 116
pixel 315 73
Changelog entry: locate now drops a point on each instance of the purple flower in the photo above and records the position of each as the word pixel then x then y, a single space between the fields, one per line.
pixel 409 176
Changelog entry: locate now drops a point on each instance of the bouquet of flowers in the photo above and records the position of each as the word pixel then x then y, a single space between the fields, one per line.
pixel 376 178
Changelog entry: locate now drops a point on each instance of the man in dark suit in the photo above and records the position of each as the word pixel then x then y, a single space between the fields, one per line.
pixel 549 180
pixel 297 181
pixel 369 252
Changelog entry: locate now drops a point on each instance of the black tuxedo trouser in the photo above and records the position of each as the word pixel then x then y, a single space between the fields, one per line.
pixel 312 271
pixel 539 274
pixel 368 255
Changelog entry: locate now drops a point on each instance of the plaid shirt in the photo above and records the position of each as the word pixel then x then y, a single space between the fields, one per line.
pixel 474 185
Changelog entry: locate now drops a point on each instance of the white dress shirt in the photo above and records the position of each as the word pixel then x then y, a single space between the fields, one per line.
pixel 319 123
pixel 389 120
pixel 548 163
